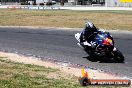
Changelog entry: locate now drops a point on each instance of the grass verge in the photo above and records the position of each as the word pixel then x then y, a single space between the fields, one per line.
pixel 20 75
pixel 64 18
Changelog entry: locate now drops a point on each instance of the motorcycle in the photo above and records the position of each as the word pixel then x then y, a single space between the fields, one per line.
pixel 104 47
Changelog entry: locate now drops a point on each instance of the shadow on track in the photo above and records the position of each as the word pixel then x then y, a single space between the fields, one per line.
pixel 100 59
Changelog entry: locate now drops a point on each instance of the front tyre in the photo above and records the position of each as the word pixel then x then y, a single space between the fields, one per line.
pixel 118 56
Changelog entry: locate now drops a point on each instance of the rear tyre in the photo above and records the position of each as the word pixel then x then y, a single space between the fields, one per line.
pixel 118 56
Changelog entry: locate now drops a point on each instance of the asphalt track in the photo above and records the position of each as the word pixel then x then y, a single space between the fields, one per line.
pixel 61 45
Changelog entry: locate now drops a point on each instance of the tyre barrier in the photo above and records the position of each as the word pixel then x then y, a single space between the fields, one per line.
pixel 14 7
pixel 33 7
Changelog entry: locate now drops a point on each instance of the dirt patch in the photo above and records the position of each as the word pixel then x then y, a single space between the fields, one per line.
pixel 64 69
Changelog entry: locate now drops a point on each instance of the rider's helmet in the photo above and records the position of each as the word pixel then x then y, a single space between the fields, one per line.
pixel 90 27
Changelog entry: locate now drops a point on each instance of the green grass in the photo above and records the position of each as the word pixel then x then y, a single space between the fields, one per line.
pixel 19 75
pixel 65 18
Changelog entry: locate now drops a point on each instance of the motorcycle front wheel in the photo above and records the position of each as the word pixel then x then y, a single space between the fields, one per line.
pixel 118 56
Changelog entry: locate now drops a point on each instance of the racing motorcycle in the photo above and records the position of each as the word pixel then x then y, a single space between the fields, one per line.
pixel 104 47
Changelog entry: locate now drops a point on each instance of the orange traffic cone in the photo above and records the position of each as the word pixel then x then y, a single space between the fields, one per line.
pixel 84 73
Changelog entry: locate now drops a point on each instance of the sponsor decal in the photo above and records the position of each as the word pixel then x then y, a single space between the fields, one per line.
pixel 125 0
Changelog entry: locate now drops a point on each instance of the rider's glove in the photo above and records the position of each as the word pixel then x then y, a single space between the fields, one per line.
pixel 92 46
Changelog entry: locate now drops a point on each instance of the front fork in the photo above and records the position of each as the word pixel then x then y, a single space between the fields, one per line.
pixel 111 54
pixel 114 49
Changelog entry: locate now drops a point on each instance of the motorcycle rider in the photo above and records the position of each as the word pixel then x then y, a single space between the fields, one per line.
pixel 88 34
